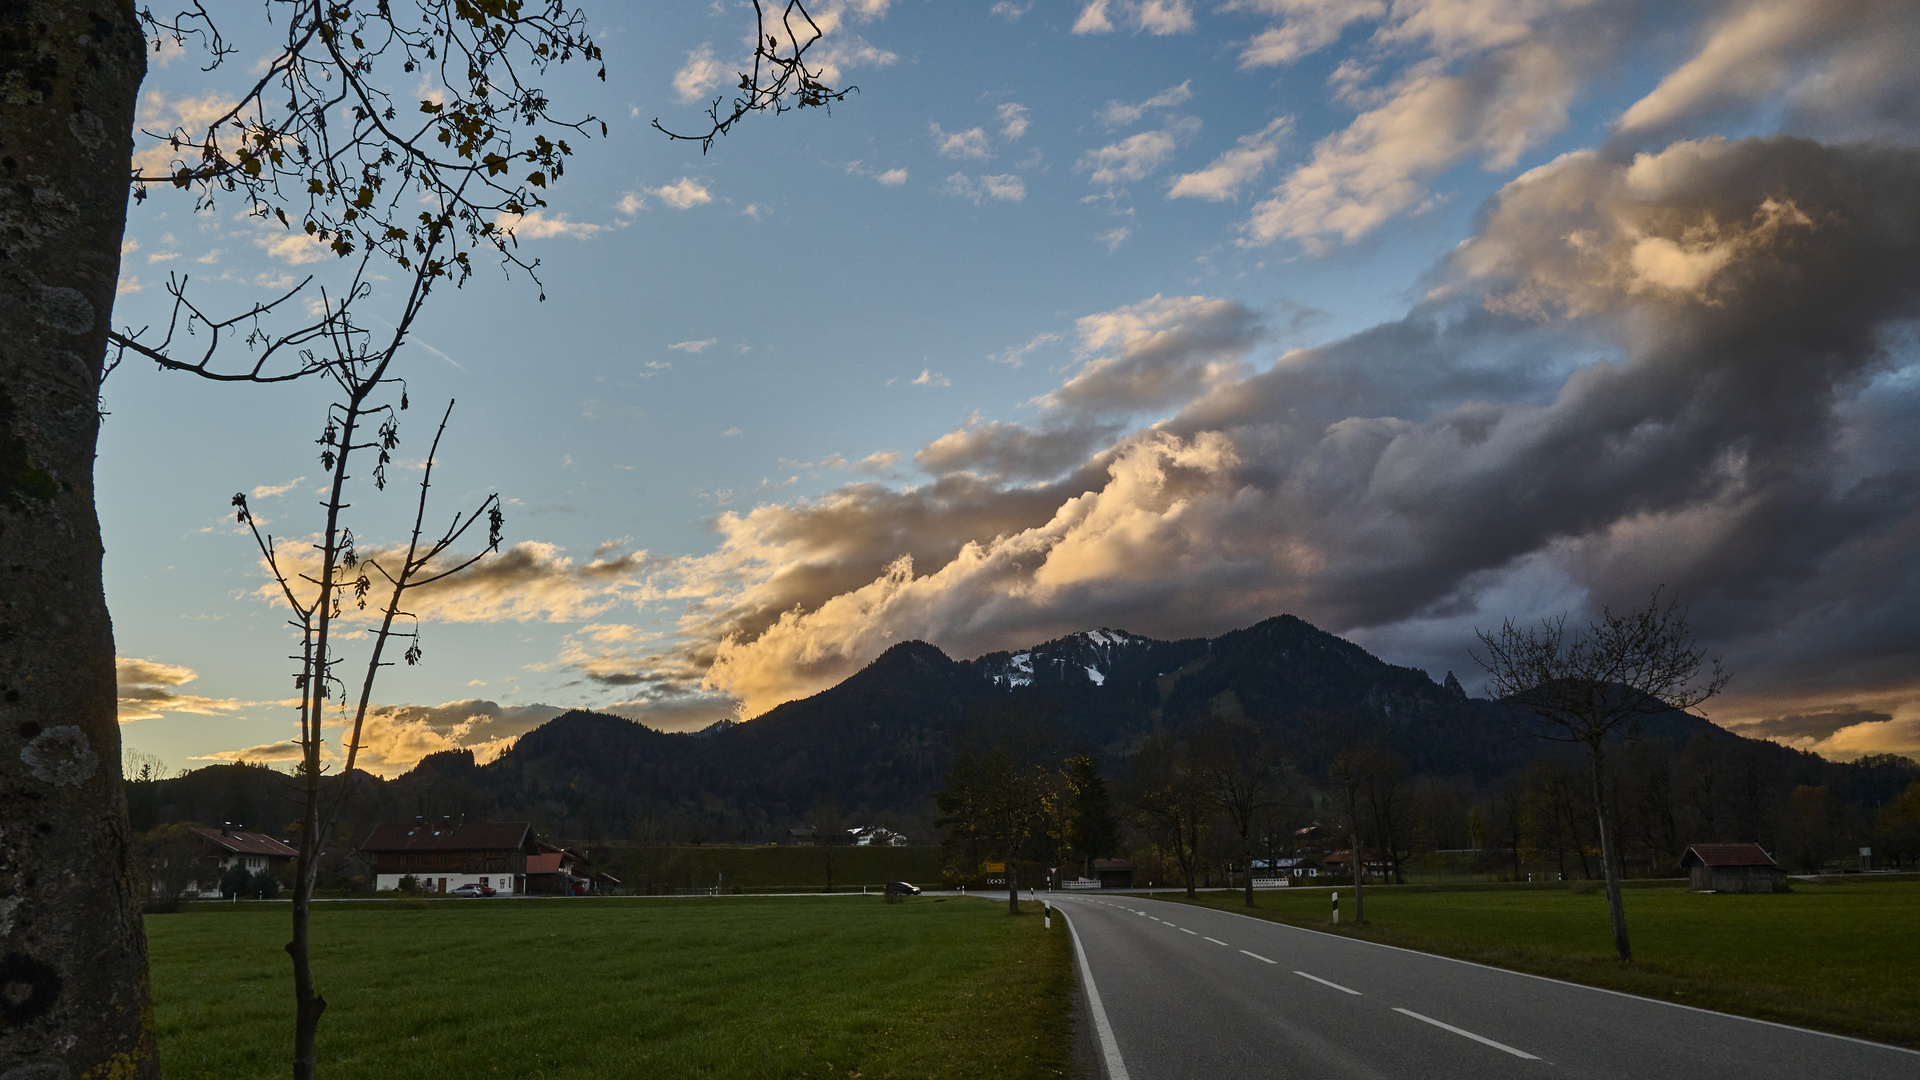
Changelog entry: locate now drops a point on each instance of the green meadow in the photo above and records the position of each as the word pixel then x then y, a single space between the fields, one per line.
pixel 1837 956
pixel 840 986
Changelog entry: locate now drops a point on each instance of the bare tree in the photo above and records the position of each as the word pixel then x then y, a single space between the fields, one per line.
pixel 1170 796
pixel 317 143
pixel 1349 769
pixel 1236 766
pixel 1585 687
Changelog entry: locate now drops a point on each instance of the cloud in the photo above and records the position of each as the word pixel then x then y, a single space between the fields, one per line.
pixel 285 750
pixel 267 491
pixel 1013 119
pixel 1118 114
pixel 1378 166
pixel 1003 449
pixel 1163 17
pixel 147 691
pixel 698 77
pixel 1837 70
pixel 929 377
pixel 295 248
pixel 1006 188
pixel 1158 352
pixel 683 194
pixel 160 117
pixel 1227 174
pixel 1308 27
pixel 1156 17
pixel 1010 11
pixel 1136 156
pixel 699 346
pixel 1093 19
pixel 1814 726
pixel 892 177
pixel 530 581
pixel 539 225
pixel 396 737
pixel 1573 415
pixel 1016 356
pixel 631 202
pixel 969 145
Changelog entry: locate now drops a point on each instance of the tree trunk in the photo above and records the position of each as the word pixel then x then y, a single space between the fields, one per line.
pixel 1246 849
pixel 1013 888
pixel 307 1002
pixel 73 954
pixel 1359 898
pixel 1610 866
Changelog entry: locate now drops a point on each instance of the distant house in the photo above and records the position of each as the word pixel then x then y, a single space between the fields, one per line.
pixel 1114 873
pixel 558 871
pixel 1341 863
pixel 801 836
pixel 227 847
pixel 1733 868
pixel 442 855
pixel 875 836
pixel 1302 867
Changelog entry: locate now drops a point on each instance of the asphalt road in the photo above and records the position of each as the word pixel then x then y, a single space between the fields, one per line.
pixel 1189 992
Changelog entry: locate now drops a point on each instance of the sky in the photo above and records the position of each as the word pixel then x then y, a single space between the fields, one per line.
pixel 1405 317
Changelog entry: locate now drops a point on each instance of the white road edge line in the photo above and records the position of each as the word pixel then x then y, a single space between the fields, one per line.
pixel 1217 941
pixel 1184 930
pixel 1116 1068
pixel 1258 957
pixel 1581 986
pixel 1463 1031
pixel 1324 982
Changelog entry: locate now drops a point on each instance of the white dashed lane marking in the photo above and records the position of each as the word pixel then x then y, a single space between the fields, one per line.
pixel 1324 982
pixel 1467 1034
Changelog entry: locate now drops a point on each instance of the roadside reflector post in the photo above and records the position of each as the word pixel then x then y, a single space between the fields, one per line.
pixel 1049 908
pixel 1336 907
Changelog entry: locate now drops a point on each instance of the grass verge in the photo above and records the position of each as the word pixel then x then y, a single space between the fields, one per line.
pixel 1834 957
pixel 740 987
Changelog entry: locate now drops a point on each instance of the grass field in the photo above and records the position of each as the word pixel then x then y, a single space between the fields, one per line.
pixel 1837 957
pixel 845 987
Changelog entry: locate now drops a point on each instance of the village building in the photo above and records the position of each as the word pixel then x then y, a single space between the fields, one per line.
pixel 1733 868
pixel 441 855
pixel 1114 873
pixel 224 848
pixel 1272 869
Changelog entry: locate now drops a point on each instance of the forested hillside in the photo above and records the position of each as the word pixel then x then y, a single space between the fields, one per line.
pixel 875 749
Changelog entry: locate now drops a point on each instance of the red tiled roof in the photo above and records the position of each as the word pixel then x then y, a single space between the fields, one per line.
pixel 247 843
pixel 432 836
pixel 543 864
pixel 1727 855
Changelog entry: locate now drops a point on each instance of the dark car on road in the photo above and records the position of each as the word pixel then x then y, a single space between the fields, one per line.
pixel 902 888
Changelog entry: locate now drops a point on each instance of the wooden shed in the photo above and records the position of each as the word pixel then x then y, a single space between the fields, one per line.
pixel 1733 868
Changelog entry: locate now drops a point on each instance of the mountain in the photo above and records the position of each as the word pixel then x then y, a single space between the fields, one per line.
pixel 878 745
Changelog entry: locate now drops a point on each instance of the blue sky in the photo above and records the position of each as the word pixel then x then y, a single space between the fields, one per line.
pixel 1403 317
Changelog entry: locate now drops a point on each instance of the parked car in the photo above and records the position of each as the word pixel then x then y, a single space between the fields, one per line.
pixel 902 888
pixel 471 888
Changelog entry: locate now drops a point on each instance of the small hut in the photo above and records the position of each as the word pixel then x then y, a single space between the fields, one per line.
pixel 1114 873
pixel 1733 868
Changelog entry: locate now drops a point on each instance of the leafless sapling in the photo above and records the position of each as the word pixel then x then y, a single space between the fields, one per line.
pixel 1585 687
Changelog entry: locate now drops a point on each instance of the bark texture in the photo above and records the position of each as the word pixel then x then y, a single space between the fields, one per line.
pixel 73 956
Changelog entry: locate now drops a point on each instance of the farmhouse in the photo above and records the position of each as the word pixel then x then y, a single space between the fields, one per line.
pixel 1734 868
pixel 443 855
pixel 1114 873
pixel 223 848
pixel 1302 867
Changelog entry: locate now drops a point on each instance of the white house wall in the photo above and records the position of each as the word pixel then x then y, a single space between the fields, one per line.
pixel 498 882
